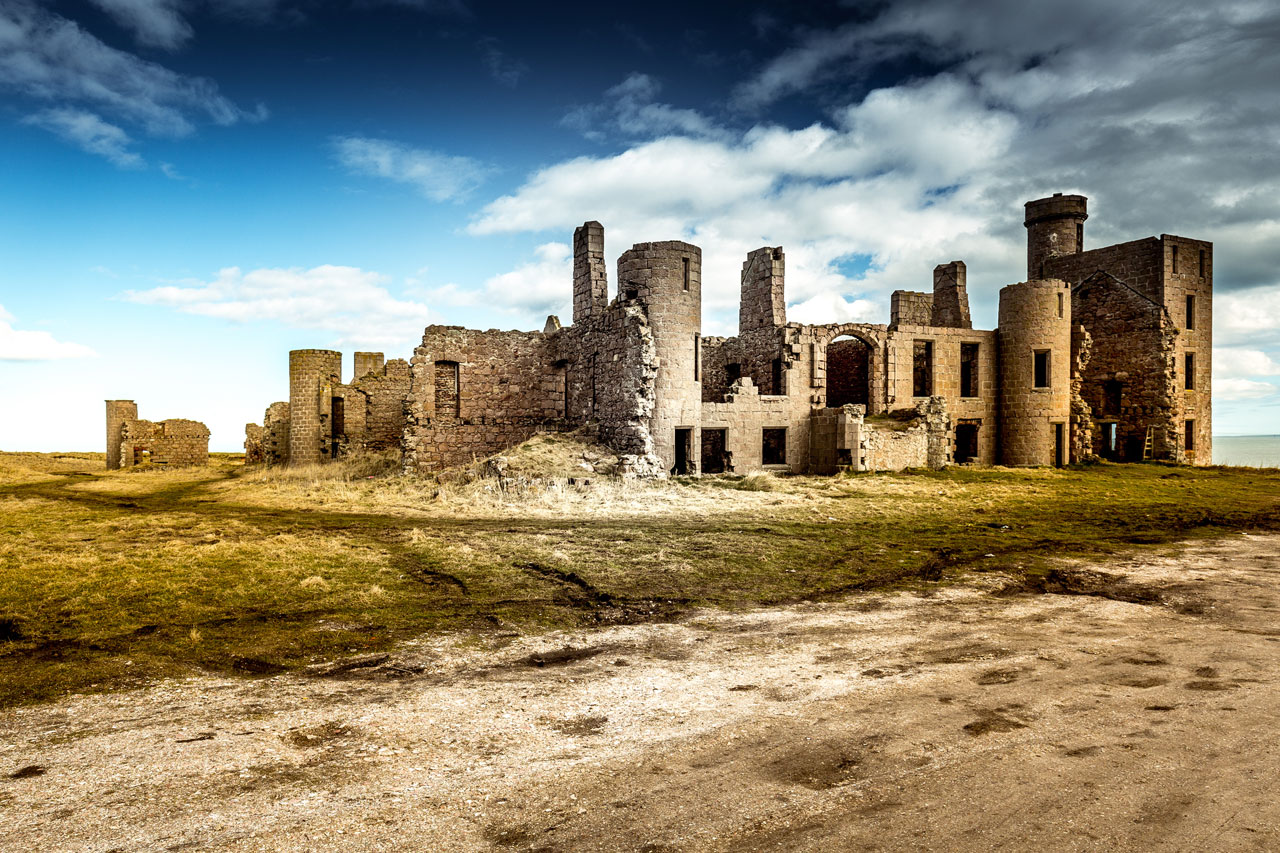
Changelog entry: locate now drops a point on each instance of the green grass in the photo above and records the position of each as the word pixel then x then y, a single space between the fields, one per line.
pixel 108 580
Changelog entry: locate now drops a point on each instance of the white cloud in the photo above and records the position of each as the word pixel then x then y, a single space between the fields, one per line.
pixel 1235 362
pixel 352 303
pixel 1242 389
pixel 18 345
pixel 90 133
pixel 1248 316
pixel 531 291
pixel 504 69
pixel 630 108
pixel 440 177
pixel 155 23
pixel 47 57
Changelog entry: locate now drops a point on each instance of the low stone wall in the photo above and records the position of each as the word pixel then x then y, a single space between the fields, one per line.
pixel 173 442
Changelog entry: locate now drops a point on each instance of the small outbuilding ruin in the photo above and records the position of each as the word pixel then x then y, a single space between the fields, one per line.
pixel 131 441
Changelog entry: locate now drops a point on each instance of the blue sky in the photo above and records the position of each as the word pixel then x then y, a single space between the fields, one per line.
pixel 191 189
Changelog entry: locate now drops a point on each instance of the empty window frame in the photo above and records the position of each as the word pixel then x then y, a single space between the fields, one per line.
pixel 1060 304
pixel 1079 237
pixel 1174 259
pixel 732 373
pixel 685 264
pixel 1189 371
pixel 922 369
pixel 1189 435
pixel 773 449
pixel 777 378
pixel 968 370
pixel 1191 312
pixel 1041 370
pixel 448 400
pixel 697 357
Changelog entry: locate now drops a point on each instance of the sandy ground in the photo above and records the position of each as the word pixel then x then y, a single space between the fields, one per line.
pixel 959 720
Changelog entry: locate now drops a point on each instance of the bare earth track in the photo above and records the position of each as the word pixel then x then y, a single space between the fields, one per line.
pixel 1117 707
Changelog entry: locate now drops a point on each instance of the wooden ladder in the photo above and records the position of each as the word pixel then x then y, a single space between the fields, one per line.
pixel 1146 445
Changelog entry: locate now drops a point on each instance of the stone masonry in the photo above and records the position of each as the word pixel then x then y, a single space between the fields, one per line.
pixel 1100 352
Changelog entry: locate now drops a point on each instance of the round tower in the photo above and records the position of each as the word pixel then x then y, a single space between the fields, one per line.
pixel 1034 338
pixel 667 278
pixel 308 368
pixel 1055 226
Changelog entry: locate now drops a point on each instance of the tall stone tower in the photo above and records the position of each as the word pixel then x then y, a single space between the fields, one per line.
pixel 118 411
pixel 667 278
pixel 590 277
pixel 309 370
pixel 763 304
pixel 1055 226
pixel 1034 339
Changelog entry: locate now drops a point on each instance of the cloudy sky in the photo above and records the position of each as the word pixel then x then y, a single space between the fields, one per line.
pixel 192 188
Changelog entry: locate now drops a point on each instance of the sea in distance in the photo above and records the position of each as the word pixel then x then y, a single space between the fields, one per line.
pixel 1256 451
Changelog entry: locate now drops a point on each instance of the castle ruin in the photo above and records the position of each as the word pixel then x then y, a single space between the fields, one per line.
pixel 1099 353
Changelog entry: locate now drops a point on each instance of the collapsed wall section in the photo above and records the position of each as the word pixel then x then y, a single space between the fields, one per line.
pixel 171 442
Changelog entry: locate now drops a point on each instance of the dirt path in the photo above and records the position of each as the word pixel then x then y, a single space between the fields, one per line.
pixel 963 720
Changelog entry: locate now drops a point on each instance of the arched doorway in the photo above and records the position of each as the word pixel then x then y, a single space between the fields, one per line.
pixel 848 372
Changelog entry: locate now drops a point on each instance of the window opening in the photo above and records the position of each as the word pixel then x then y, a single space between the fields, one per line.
pixel 337 424
pixel 714 458
pixel 1059 445
pixel 732 373
pixel 968 370
pixel 697 358
pixel 848 372
pixel 1174 255
pixel 448 400
pixel 1189 371
pixel 1191 312
pixel 777 377
pixel 1079 237
pixel 1109 446
pixel 774 446
pixel 922 369
pixel 686 273
pixel 1042 374
pixel 1189 437
pixel 1060 305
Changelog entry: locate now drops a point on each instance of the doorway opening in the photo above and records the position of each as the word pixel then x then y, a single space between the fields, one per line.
pixel 1059 445
pixel 337 424
pixel 684 451
pixel 967 441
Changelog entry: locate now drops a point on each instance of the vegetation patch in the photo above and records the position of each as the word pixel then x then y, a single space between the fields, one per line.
pixel 112 579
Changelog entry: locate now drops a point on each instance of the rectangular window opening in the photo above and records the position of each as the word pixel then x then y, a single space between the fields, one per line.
pixel 686 273
pixel 1191 312
pixel 732 373
pixel 1042 369
pixel 1189 436
pixel 777 378
pixel 774 446
pixel 1174 258
pixel 1060 305
pixel 448 398
pixel 1059 445
pixel 697 358
pixel 1189 371
pixel 922 369
pixel 968 370
pixel 1109 446
pixel 1079 238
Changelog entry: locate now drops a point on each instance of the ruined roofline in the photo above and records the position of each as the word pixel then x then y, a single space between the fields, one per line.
pixel 1097 274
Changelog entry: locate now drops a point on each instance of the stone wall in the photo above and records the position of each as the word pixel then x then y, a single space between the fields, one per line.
pixel 254 451
pixel 172 442
pixel 910 308
pixel 275 434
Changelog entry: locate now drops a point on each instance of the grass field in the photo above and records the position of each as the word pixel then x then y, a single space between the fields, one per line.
pixel 110 579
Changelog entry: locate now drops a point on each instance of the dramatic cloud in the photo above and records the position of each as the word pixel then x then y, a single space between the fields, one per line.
pixel 440 177
pixel 49 58
pixel 351 303
pixel 1166 115
pixel 16 345
pixel 90 133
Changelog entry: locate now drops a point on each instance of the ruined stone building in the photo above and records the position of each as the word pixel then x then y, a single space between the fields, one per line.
pixel 131 441
pixel 1104 352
